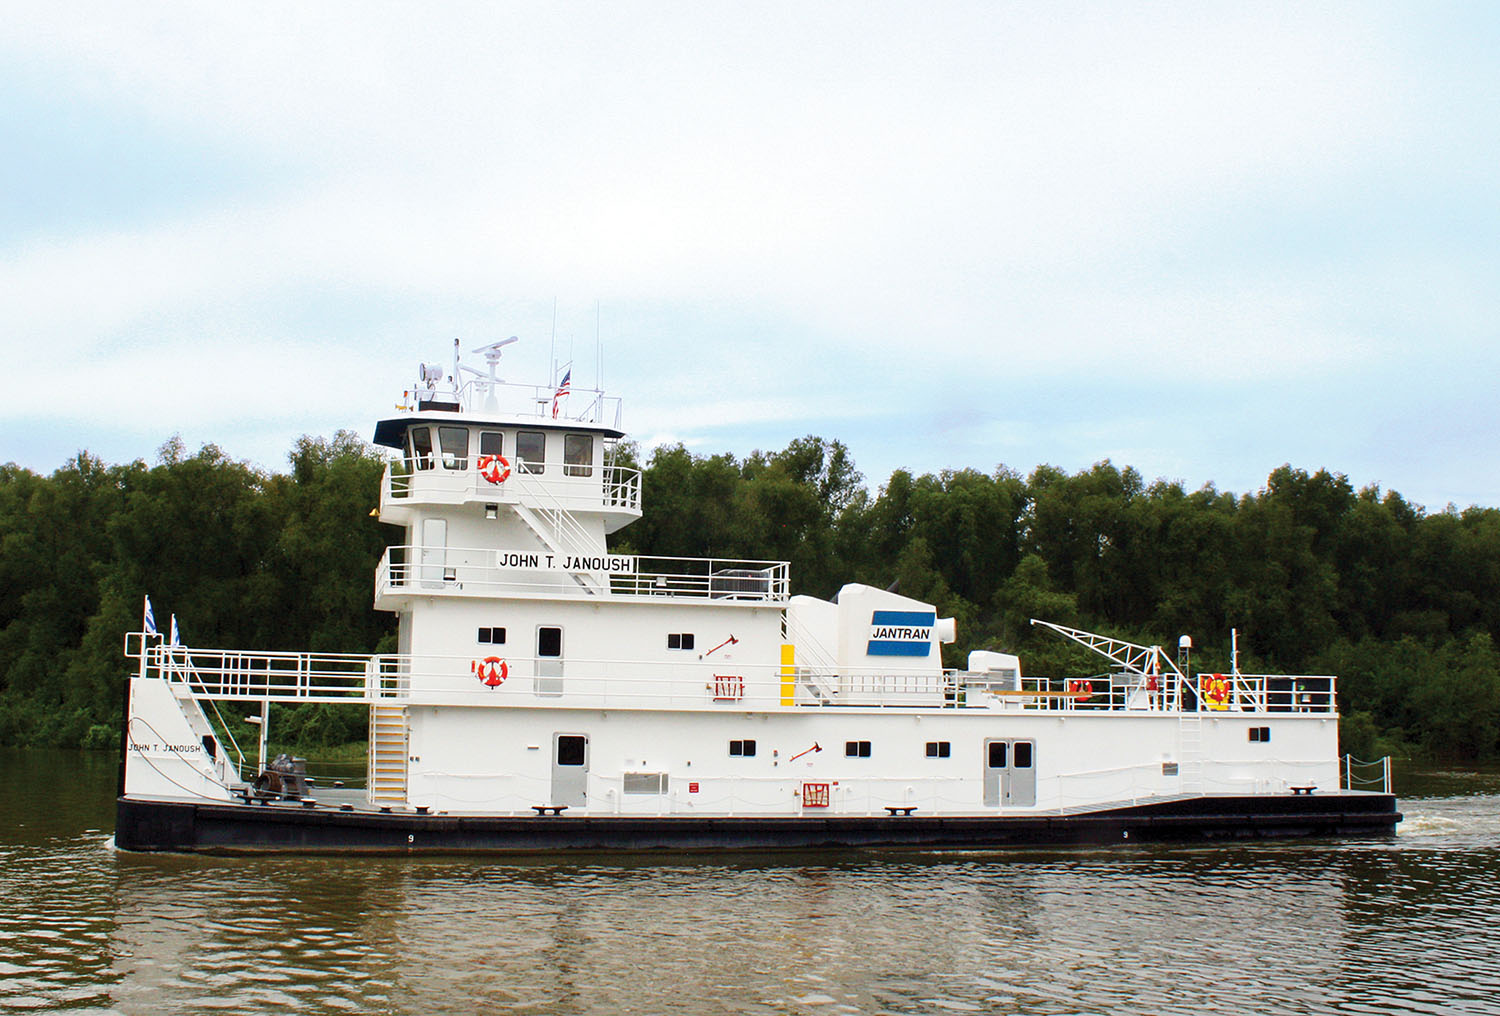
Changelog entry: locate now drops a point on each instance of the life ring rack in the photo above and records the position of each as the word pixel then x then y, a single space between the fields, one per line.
pixel 1080 690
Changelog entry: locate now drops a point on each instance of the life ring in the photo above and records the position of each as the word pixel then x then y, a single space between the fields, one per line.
pixel 1080 691
pixel 494 468
pixel 1151 682
pixel 491 671
pixel 1215 691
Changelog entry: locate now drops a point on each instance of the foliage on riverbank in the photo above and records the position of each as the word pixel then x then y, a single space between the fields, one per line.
pixel 1402 604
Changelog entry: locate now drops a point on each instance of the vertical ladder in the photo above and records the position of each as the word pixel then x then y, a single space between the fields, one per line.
pixel 386 781
pixel 1190 752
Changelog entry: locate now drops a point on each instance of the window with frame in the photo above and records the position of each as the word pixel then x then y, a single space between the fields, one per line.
pixel 939 749
pixel 491 442
pixel 741 749
pixel 680 640
pixel 1260 734
pixel 531 451
pixel 572 749
pixel 578 455
pixel 421 447
pixel 492 636
pixel 856 749
pixel 454 442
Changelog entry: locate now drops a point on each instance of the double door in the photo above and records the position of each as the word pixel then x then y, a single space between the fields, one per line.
pixel 1009 773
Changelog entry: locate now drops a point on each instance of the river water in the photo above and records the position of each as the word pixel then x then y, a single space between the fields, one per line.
pixel 1407 924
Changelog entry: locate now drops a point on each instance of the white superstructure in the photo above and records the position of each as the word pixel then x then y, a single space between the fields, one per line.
pixel 537 669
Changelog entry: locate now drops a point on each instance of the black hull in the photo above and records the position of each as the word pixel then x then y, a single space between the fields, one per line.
pixel 248 828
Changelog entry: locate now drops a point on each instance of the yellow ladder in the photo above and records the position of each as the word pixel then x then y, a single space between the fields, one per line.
pixel 386 781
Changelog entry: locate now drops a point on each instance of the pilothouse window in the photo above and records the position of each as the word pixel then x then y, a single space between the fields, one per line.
pixel 455 444
pixel 491 442
pixel 421 447
pixel 578 454
pixel 531 451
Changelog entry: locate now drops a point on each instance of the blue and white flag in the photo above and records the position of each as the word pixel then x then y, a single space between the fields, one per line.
pixel 173 640
pixel 150 618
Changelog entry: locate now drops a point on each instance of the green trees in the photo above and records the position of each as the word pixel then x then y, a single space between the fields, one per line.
pixel 1403 605
pixel 243 559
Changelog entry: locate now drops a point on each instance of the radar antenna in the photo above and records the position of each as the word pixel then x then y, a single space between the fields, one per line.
pixel 491 354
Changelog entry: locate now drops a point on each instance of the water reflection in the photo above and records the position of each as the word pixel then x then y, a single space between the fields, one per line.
pixel 1391 926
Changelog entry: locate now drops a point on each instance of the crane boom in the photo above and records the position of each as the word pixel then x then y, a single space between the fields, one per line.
pixel 1144 660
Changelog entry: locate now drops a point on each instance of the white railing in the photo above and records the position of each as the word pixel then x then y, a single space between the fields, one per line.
pixel 582 683
pixel 571 486
pixel 1373 776
pixel 280 676
pixel 487 572
pixel 1208 693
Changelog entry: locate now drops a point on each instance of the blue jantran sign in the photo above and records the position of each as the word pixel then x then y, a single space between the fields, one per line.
pixel 901 632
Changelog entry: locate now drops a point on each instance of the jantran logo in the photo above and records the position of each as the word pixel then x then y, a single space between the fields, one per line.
pixel 901 632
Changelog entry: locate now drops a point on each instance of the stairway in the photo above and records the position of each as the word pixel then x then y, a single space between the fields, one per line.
pixel 386 780
pixel 559 531
pixel 1190 752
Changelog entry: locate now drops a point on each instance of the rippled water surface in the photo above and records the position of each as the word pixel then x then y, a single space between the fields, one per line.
pixel 1400 925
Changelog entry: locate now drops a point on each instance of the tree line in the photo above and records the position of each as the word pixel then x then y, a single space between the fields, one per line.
pixel 1317 577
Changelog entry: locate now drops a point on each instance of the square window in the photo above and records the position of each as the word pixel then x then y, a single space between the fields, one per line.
pixel 531 451
pixel 939 749
pixel 578 454
pixel 680 640
pixel 491 442
pixel 856 749
pixel 742 749
pixel 492 636
pixel 1260 733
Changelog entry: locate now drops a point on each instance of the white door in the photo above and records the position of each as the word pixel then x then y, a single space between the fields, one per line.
pixel 434 552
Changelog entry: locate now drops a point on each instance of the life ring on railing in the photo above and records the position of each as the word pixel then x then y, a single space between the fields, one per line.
pixel 491 671
pixel 1080 691
pixel 494 468
pixel 1215 691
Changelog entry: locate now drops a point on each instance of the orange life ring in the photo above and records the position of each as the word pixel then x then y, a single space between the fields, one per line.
pixel 1081 691
pixel 491 671
pixel 1215 690
pixel 494 468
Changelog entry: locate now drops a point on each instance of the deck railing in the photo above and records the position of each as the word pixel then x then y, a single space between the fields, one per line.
pixel 575 487
pixel 485 571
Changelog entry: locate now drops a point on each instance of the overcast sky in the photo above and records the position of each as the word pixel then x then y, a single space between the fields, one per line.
pixel 1200 240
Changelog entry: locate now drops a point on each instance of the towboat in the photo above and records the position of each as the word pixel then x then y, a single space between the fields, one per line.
pixel 552 693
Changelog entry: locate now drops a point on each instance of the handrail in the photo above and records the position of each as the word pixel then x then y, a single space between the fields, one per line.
pixel 488 571
pixel 606 487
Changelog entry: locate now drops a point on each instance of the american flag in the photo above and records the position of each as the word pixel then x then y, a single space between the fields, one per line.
pixel 562 390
